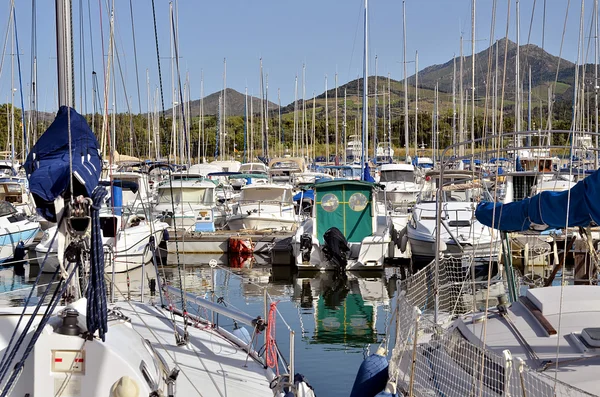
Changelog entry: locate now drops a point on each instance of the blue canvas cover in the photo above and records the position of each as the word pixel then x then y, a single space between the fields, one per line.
pixel 546 208
pixel 47 164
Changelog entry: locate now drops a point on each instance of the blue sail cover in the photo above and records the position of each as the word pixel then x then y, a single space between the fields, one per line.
pixel 546 208
pixel 47 164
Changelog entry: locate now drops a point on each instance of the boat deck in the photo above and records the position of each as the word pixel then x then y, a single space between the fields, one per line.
pixel 216 366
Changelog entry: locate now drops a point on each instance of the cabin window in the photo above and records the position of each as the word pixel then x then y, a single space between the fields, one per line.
pixel 397 176
pixel 6 208
pixel 358 202
pixel 186 195
pixel 330 202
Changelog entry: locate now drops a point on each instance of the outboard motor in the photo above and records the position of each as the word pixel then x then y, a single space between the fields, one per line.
pixel 336 248
pixel 306 246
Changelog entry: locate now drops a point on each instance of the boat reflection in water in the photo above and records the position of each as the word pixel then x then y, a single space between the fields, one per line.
pixel 344 305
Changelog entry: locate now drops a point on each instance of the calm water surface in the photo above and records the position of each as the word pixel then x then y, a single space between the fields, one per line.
pixel 337 319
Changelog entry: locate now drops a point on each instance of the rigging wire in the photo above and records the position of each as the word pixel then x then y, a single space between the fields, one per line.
pixel 25 145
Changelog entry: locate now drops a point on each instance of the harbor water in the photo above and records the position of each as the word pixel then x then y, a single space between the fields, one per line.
pixel 337 319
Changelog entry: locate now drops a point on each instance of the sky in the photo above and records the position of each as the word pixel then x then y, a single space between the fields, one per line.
pixel 324 35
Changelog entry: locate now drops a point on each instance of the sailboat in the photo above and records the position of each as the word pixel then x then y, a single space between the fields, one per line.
pixel 72 341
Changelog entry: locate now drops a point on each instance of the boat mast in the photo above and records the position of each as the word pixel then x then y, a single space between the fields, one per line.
pixel 390 117
pixel 375 116
pixel 245 124
pixel 406 143
pixel 365 89
pixel 224 115
pixel 304 133
pixel 314 130
pixel 454 102
pixel 64 61
pixel 416 100
pixel 149 125
pixel 202 116
pixel 461 110
pixel 281 136
pixel 473 82
pixel 337 138
pixel 596 79
pixel 296 144
pixel 518 78
pixel 326 124
pixel 344 125
pixel 266 150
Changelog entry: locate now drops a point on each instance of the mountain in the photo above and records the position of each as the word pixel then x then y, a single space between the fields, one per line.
pixel 543 69
pixel 235 103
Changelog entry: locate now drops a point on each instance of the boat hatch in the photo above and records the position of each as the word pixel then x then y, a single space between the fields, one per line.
pixel 460 223
pixel 108 224
pixel 347 206
pixel 591 336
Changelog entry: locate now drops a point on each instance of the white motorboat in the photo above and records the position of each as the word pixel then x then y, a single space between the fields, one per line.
pixel 14 228
pixel 249 170
pixel 354 148
pixel 398 197
pixel 460 233
pixel 346 230
pixel 182 201
pixel 384 153
pixel 264 206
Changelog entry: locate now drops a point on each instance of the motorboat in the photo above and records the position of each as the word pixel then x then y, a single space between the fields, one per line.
pixel 15 228
pixel 460 233
pixel 384 153
pixel 264 206
pixel 354 148
pixel 181 201
pixel 249 170
pixel 346 230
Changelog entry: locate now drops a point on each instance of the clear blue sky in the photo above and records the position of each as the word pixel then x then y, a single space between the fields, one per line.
pixel 325 35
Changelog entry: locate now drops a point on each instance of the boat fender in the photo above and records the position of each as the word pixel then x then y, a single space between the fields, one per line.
pixel 303 388
pixel 372 375
pixel 389 391
pixel 403 239
pixel 400 235
pixel 125 387
pixel 242 334
pixel 165 235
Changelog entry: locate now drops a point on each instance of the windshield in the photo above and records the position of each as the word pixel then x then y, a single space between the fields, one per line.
pixel 6 208
pixel 266 194
pixel 397 176
pixel 186 195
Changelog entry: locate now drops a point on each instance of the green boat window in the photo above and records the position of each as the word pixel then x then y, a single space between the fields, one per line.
pixel 330 202
pixel 358 202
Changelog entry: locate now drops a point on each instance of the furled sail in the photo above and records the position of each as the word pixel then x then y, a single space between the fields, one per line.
pixel 48 164
pixel 581 202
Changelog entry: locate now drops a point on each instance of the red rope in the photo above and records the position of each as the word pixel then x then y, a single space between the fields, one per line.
pixel 271 351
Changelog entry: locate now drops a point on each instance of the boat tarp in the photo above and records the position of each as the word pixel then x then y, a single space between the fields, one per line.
pixel 547 208
pixel 48 164
pixel 346 206
pixel 306 194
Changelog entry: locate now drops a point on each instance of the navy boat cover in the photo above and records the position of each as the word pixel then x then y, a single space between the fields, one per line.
pixel 47 164
pixel 546 208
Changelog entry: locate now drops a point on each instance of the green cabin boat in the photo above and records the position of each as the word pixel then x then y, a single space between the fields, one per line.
pixel 350 207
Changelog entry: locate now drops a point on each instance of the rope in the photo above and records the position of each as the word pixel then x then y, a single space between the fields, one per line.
pixel 271 345
pixel 96 319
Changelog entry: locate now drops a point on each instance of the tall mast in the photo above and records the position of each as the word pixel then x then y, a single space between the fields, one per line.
pixel 251 143
pixel 454 102
pixel 224 115
pixel 375 116
pixel 416 100
pixel 518 77
pixel 406 143
pixel 64 60
pixel 596 79
pixel 262 106
pixel 280 137
pixel 314 130
pixel 296 145
pixel 461 110
pixel 304 133
pixel 266 150
pixel 202 115
pixel 337 139
pixel 390 116
pixel 245 124
pixel 326 124
pixel 148 121
pixel 344 125
pixel 473 81
pixel 365 112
